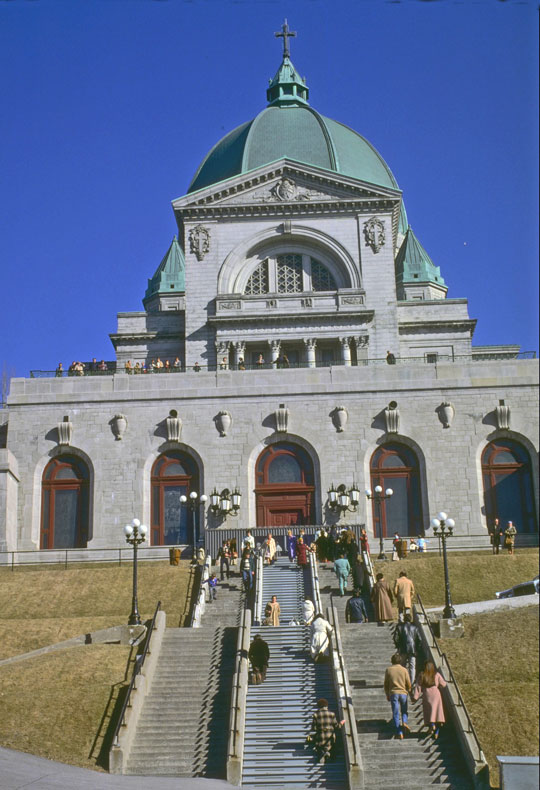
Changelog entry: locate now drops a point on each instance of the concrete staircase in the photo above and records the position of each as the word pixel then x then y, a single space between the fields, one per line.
pixel 417 762
pixel 279 711
pixel 183 727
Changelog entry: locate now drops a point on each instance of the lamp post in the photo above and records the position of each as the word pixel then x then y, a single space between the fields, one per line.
pixel 135 534
pixel 378 497
pixel 194 502
pixel 341 500
pixel 443 527
pixel 225 504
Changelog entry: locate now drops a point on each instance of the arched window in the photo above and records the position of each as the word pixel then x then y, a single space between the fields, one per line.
pixel 65 504
pixel 174 474
pixel 284 486
pixel 395 466
pixel 508 492
pixel 290 273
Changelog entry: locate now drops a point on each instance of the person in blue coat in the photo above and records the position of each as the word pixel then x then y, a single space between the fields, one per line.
pixel 342 569
pixel 291 545
pixel 355 611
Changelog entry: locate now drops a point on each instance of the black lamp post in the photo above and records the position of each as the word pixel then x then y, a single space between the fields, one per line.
pixel 340 500
pixel 443 527
pixel 378 497
pixel 135 534
pixel 193 502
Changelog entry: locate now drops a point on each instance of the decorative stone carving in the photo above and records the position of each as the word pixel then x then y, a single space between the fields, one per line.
pixel 230 305
pixel 285 189
pixel 446 413
pixel 174 426
pixel 199 241
pixel 118 426
pixel 223 421
pixel 391 416
pixel 361 341
pixel 340 415
pixel 281 416
pixel 502 414
pixel 271 302
pixel 65 431
pixel 374 234
pixel 307 302
pixel 352 299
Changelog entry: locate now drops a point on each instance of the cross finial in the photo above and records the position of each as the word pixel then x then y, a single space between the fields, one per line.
pixel 285 34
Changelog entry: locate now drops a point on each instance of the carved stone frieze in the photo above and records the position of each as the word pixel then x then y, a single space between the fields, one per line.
pixel 230 305
pixel 281 416
pixel 361 341
pixel 65 431
pixel 352 299
pixel 271 302
pixel 502 415
pixel 199 241
pixel 391 416
pixel 374 234
pixel 307 302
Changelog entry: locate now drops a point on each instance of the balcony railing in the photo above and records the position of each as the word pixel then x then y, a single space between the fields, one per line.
pixel 427 359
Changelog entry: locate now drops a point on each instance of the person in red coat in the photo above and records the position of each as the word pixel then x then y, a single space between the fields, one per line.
pixel 302 550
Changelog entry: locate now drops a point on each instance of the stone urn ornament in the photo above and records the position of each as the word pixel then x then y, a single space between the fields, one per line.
pixel 223 421
pixel 446 413
pixel 118 426
pixel 340 415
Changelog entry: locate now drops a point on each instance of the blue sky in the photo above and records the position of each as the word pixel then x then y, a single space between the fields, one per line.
pixel 108 107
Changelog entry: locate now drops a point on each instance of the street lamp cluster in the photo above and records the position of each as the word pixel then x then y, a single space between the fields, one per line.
pixel 135 534
pixel 378 497
pixel 340 500
pixel 443 528
pixel 225 503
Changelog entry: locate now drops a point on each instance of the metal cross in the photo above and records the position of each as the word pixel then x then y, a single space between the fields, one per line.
pixel 285 35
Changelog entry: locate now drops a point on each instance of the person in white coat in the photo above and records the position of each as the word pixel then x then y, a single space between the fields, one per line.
pixel 321 631
pixel 308 611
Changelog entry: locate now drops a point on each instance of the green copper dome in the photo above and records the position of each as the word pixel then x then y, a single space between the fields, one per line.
pixel 414 264
pixel 290 128
pixel 170 275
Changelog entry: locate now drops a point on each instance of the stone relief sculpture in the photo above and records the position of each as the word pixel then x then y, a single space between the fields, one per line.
pixel 118 426
pixel 281 416
pixel 174 426
pixel 374 234
pixel 199 241
pixel 502 415
pixel 65 431
pixel 223 421
pixel 340 415
pixel 391 416
pixel 446 413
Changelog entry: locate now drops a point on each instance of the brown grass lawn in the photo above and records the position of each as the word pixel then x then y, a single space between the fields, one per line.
pixel 41 606
pixel 496 666
pixel 473 576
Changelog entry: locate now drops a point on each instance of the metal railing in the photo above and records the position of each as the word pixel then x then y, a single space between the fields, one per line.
pixel 314 571
pixel 213 538
pixel 366 558
pixel 427 359
pixel 237 718
pixel 353 754
pixel 450 678
pixel 75 556
pixel 258 607
pixel 200 601
pixel 139 663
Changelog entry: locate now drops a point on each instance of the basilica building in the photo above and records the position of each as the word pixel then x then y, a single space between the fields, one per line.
pixel 296 347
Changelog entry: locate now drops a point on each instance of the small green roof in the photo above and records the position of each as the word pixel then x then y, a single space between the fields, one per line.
pixel 170 276
pixel 287 87
pixel 413 263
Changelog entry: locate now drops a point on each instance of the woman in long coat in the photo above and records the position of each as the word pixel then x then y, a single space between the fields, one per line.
pixel 291 545
pixel 301 553
pixel 321 631
pixel 272 611
pixel 428 684
pixel 381 598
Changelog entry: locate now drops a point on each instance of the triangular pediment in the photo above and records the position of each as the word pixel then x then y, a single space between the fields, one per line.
pixel 286 183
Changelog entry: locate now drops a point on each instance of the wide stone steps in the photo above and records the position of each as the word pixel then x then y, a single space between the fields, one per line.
pixel 415 763
pixel 279 711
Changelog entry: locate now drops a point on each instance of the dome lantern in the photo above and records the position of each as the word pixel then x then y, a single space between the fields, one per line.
pixel 287 87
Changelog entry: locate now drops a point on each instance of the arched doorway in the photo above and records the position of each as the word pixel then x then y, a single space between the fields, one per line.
pixel 284 486
pixel 508 491
pixel 65 504
pixel 395 466
pixel 174 474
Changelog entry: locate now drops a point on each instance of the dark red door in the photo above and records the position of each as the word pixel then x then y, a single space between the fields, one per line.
pixel 284 490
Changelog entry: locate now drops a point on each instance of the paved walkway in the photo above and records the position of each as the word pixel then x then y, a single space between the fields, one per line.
pixel 495 605
pixel 19 770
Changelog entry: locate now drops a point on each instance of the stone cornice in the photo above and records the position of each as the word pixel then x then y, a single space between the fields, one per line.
pixel 361 316
pixel 442 325
pixel 130 337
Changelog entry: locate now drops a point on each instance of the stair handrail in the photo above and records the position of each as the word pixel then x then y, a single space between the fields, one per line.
pixel 314 572
pixel 258 607
pixel 237 718
pixel 481 768
pixel 366 557
pixel 200 601
pixel 139 663
pixel 353 754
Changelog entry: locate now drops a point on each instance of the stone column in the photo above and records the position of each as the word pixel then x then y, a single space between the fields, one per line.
pixel 275 346
pixel 361 343
pixel 311 345
pixel 345 351
pixel 222 355
pixel 239 352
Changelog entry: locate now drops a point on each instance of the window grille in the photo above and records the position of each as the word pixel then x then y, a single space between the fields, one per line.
pixel 258 282
pixel 289 274
pixel 321 279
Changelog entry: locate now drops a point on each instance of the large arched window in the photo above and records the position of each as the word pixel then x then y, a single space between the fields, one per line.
pixel 508 492
pixel 395 466
pixel 290 273
pixel 174 474
pixel 284 486
pixel 65 504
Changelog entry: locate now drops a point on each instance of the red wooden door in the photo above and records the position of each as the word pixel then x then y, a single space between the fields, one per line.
pixel 284 486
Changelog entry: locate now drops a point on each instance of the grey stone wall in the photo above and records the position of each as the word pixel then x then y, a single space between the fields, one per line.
pixel 120 469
